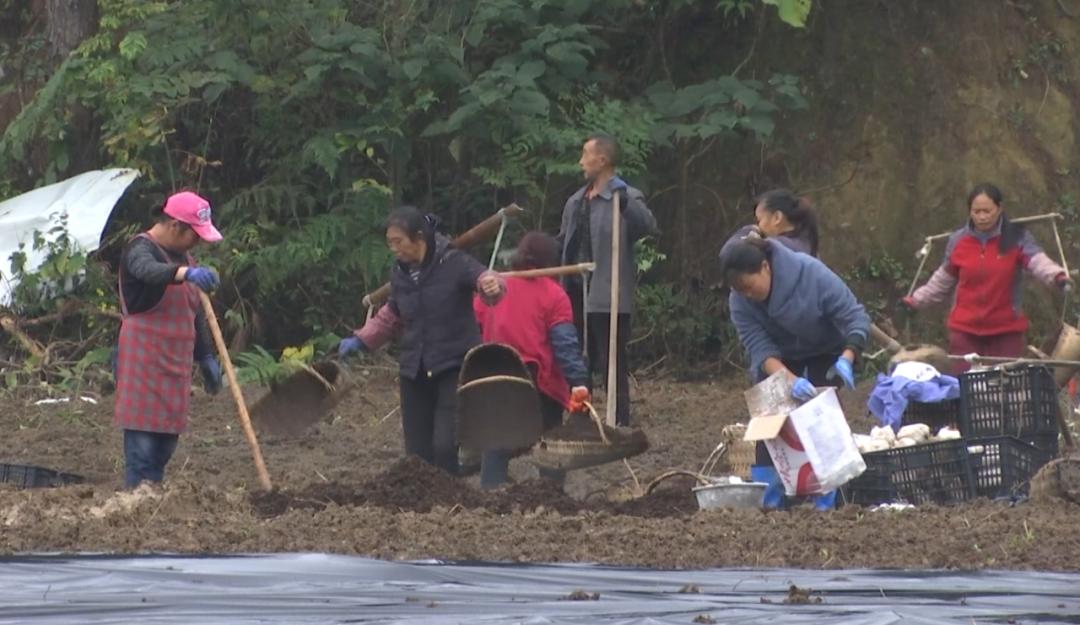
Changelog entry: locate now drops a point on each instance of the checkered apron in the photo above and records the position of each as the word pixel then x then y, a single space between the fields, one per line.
pixel 153 376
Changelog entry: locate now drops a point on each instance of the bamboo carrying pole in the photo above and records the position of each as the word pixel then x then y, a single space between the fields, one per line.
pixel 613 320
pixel 230 373
pixel 548 272
pixel 924 251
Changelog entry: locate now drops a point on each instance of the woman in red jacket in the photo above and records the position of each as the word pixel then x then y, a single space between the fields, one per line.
pixel 983 263
pixel 534 317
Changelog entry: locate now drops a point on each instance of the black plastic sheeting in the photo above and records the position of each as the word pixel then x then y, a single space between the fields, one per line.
pixel 316 588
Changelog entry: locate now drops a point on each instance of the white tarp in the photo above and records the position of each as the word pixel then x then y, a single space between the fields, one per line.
pixel 87 200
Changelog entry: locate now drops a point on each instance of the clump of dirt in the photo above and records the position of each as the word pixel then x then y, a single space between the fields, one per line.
pixel 581 595
pixel 661 503
pixel 412 485
pixel 1057 480
pixel 801 596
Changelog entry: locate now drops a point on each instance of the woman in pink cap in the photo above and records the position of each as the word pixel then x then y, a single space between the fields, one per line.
pixel 162 333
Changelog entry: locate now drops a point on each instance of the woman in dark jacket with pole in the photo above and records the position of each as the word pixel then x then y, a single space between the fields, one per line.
pixel 430 307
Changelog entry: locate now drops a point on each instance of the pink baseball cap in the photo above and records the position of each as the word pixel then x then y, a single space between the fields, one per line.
pixel 195 212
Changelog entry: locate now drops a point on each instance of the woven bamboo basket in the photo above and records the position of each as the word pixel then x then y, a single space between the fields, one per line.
pixel 577 445
pixel 497 407
pixel 741 454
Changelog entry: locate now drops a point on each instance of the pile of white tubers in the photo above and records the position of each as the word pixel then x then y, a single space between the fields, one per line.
pixel 882 438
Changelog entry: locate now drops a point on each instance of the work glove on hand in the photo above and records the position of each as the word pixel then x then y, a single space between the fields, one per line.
pixel 843 369
pixel 619 186
pixel 579 396
pixel 211 372
pixel 203 277
pixel 803 390
pixel 349 346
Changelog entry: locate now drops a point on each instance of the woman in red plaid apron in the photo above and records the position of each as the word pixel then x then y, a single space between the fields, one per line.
pixel 158 336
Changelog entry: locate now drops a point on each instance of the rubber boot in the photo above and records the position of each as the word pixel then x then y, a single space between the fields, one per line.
pixel 826 501
pixel 774 491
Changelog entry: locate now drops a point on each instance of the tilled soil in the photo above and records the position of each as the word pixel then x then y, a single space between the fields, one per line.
pixel 344 488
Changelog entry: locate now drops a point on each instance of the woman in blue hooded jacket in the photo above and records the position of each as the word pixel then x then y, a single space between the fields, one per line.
pixel 793 314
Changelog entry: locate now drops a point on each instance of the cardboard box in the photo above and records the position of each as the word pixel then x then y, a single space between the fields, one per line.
pixel 810 445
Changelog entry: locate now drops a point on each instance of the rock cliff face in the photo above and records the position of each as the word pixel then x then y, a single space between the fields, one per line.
pixel 911 104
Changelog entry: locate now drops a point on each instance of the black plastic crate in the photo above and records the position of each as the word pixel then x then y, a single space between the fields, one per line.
pixel 1005 465
pixel 24 476
pixel 1047 443
pixel 936 415
pixel 874 486
pixel 938 473
pixel 1019 402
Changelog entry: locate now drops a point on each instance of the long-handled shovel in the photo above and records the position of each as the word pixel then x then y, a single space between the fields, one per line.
pixel 234 387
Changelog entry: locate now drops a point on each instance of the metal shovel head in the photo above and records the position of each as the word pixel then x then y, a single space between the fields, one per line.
pixel 498 407
pixel 299 401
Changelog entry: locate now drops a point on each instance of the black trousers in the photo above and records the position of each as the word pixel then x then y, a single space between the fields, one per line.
pixel 597 350
pixel 814 369
pixel 429 418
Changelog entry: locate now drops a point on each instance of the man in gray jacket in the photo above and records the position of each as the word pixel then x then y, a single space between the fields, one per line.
pixel 585 236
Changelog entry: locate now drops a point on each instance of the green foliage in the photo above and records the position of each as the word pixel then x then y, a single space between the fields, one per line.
pixel 792 12
pixel 741 7
pixel 721 107
pixel 675 323
pixel 304 122
pixel 880 279
pixel 64 270
pixel 261 367
pixel 647 255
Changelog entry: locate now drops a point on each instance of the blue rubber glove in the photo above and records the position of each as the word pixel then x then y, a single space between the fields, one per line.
pixel 211 372
pixel 803 390
pixel 349 346
pixel 203 277
pixel 618 185
pixel 843 369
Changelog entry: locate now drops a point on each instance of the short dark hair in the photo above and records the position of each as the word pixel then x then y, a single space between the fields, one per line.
pixel 608 146
pixel 535 250
pixel 161 217
pixel 410 220
pixel 742 258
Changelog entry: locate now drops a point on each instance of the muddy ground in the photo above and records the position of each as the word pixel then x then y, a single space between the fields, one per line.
pixel 345 488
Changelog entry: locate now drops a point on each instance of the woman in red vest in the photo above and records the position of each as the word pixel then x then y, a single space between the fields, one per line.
pixel 983 263
pixel 535 318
